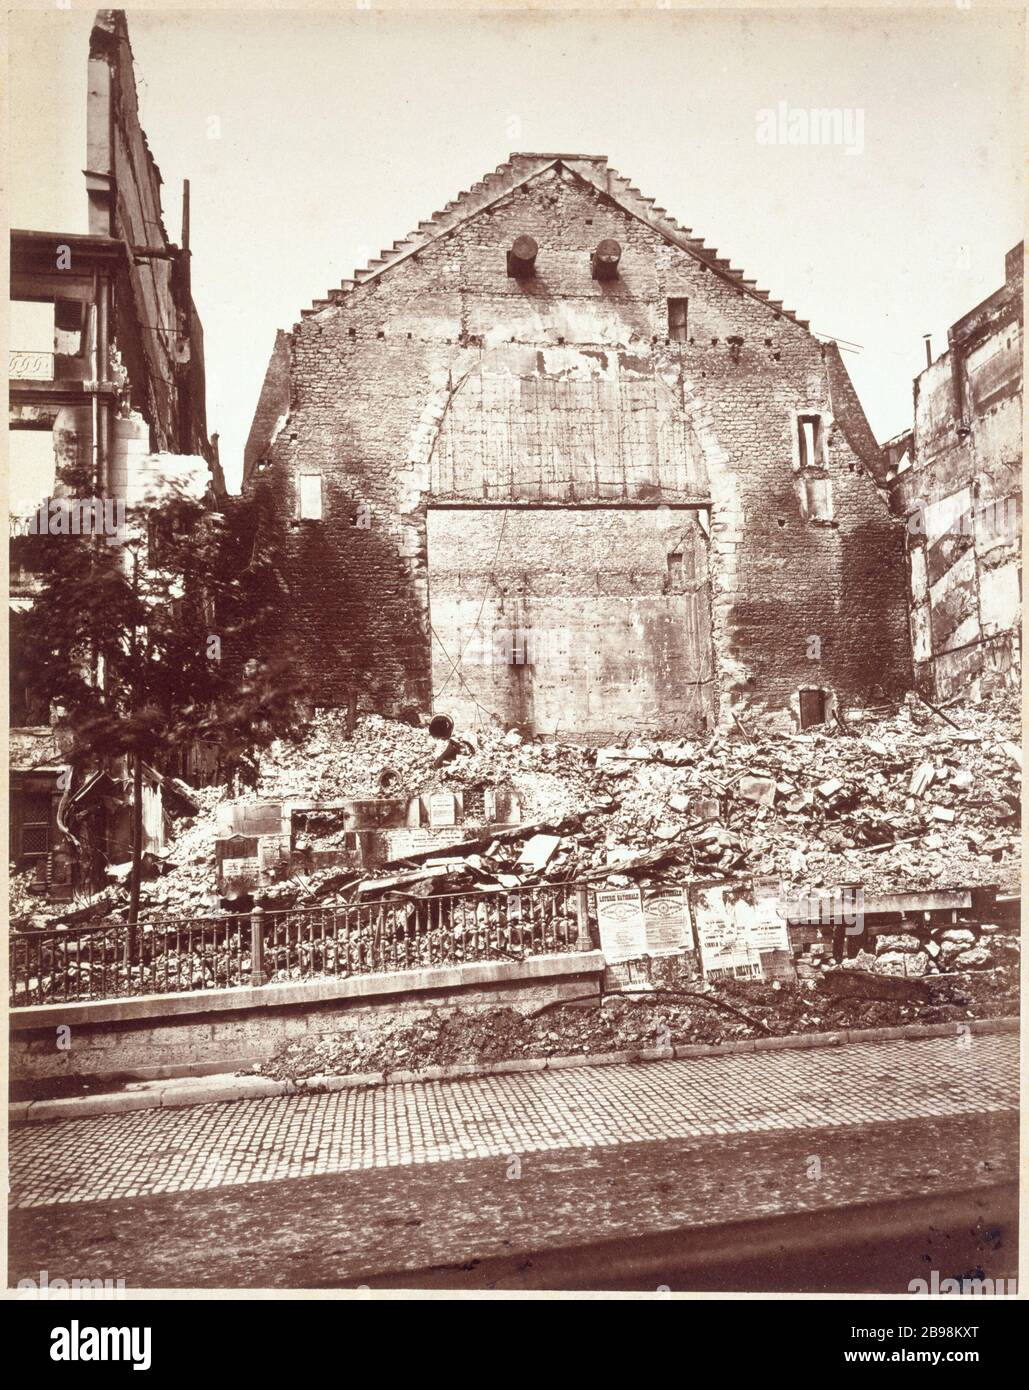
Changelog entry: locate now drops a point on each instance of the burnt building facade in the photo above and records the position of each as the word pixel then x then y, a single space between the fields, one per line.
pixel 552 462
pixel 956 479
pixel 107 396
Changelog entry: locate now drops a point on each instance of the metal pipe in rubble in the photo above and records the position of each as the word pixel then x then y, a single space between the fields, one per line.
pixel 100 377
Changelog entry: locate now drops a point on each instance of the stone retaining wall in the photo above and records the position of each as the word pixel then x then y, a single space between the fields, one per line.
pixel 190 1034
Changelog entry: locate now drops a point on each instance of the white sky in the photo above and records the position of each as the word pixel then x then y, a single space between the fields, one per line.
pixel 335 134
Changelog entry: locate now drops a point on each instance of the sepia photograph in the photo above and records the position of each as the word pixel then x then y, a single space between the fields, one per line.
pixel 514 649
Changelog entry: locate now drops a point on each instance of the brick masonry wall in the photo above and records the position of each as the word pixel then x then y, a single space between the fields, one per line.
pixel 448 379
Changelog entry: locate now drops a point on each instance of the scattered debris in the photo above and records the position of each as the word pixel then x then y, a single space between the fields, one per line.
pixel 811 810
pixel 649 1019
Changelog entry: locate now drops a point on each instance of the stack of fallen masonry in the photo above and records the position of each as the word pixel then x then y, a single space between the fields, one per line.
pixel 923 950
pixel 905 802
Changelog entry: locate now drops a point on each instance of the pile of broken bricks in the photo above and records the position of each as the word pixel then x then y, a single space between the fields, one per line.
pixel 917 799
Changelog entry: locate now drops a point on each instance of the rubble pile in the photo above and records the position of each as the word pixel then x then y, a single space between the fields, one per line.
pixel 550 779
pixel 905 802
pixel 916 800
pixel 623 1022
pixel 908 801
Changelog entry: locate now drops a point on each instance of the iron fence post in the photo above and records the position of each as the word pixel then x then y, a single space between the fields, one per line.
pixel 582 917
pixel 257 946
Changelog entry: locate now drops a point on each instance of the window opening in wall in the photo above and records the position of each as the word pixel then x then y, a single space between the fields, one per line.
pixel 675 571
pixel 813 484
pixel 35 827
pixel 310 497
pixel 31 338
pixel 818 498
pixel 32 468
pixel 811 452
pixel 677 314
pixel 812 708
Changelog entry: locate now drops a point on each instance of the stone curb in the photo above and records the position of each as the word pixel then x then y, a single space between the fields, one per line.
pixel 257 1087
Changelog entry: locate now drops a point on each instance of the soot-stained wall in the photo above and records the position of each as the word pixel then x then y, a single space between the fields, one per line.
pixel 536 507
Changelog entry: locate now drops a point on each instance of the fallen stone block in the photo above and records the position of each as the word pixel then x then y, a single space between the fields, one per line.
pixel 907 963
pixel 861 984
pixel 975 958
pixel 760 790
pixel 900 942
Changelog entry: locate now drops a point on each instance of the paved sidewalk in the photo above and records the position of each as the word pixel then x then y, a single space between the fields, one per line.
pixel 149 1152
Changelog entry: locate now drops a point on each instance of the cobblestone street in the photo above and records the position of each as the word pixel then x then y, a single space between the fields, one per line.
pixel 457 1182
pixel 164 1151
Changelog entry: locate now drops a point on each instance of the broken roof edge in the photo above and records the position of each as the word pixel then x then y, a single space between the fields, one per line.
pixel 610 184
pixel 272 409
pixel 849 414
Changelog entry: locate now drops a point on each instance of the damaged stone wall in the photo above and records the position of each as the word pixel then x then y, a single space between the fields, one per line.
pixel 272 408
pixel 560 397
pixel 956 480
pixel 574 640
pixel 156 327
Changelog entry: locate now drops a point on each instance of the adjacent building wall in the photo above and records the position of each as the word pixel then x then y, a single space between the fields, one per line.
pixel 121 390
pixel 158 331
pixel 956 480
pixel 499 454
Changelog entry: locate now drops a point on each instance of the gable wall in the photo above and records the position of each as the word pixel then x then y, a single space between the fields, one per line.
pixel 447 379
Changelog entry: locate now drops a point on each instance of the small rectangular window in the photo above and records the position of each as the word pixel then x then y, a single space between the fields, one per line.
pixel 310 497
pixel 810 446
pixel 677 320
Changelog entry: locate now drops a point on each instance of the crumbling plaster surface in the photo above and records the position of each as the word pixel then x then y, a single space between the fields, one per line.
pixel 447 379
pixel 961 500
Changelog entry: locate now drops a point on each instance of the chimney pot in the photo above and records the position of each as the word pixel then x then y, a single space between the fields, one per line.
pixel 605 259
pixel 521 259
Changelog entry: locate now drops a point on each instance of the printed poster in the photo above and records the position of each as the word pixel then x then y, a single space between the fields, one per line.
pixel 666 921
pixel 762 915
pixel 726 949
pixel 623 931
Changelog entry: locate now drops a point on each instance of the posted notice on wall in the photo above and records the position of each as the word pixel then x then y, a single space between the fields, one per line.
pixel 666 920
pixel 633 924
pixel 727 951
pixel 623 931
pixel 762 914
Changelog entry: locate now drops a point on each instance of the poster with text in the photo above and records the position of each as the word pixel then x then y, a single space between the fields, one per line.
pixel 623 934
pixel 726 950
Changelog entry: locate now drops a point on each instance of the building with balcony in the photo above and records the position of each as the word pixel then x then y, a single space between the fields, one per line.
pixel 107 381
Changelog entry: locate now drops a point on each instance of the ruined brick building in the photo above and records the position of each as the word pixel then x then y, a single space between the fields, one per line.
pixel 956 479
pixel 551 461
pixel 107 394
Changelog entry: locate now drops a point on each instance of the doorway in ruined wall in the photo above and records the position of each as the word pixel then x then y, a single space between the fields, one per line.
pixel 589 621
